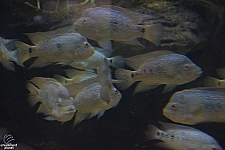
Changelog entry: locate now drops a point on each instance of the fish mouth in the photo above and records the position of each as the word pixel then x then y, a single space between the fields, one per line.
pixel 165 114
pixel 70 111
pixel 199 72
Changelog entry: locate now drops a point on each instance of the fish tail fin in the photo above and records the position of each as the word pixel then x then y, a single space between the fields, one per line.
pixel 116 62
pixel 61 79
pixel 153 33
pixel 33 95
pixel 23 52
pixel 212 82
pixel 151 133
pixel 124 75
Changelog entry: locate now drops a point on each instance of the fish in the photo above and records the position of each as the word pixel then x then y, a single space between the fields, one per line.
pixel 109 22
pixel 88 102
pixel 213 82
pixel 180 137
pixel 97 58
pixel 156 68
pixel 7 57
pixel 197 105
pixel 56 101
pixel 68 47
pixel 93 96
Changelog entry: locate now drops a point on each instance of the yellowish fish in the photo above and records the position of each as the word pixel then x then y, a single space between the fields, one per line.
pixel 193 106
pixel 50 48
pixel 88 102
pixel 156 68
pixel 179 137
pixel 56 102
pixel 95 95
pixel 109 22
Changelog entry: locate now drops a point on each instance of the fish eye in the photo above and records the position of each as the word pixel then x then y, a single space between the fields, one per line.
pixel 173 106
pixel 85 20
pixel 86 44
pixel 59 100
pixel 187 66
pixel 117 91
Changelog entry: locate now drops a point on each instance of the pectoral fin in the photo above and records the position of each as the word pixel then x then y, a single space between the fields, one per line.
pixel 144 87
pixel 169 87
pixel 107 45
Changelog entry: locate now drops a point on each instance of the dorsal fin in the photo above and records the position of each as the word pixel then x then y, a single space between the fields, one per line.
pixel 170 126
pixel 136 61
pixel 40 82
pixel 37 37
pixel 210 89
pixel 137 17
pixel 72 73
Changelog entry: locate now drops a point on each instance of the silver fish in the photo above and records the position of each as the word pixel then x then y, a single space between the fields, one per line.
pixel 110 22
pixel 88 102
pixel 197 105
pixel 180 137
pixel 49 49
pixel 95 95
pixel 55 99
pixel 156 68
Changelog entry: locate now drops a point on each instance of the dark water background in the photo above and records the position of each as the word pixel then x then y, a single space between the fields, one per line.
pixel 121 127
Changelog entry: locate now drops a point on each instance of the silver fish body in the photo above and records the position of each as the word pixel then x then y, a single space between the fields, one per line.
pixel 57 48
pixel 156 68
pixel 94 95
pixel 115 23
pixel 179 137
pixel 193 106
